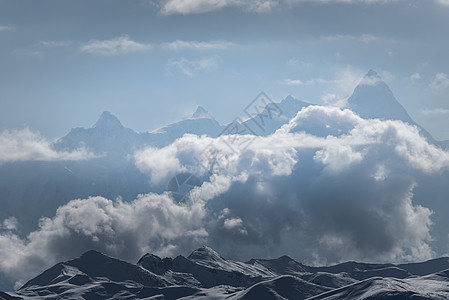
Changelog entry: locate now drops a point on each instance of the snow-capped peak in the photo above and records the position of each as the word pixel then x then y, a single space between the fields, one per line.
pixel 201 113
pixel 205 254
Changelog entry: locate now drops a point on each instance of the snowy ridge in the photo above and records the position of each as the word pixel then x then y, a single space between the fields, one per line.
pixel 206 275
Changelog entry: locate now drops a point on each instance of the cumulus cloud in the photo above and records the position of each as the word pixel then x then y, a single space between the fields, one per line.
pixel 440 83
pixel 192 67
pixel 151 223
pixel 196 45
pixel 323 175
pixel 118 45
pixel 23 145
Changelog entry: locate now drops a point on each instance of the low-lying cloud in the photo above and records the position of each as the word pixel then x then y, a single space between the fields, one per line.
pixel 25 145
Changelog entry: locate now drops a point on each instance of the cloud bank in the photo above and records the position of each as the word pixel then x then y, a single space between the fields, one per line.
pixel 328 183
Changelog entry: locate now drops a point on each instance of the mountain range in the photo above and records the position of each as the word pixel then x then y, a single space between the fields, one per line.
pixel 204 274
pixel 30 190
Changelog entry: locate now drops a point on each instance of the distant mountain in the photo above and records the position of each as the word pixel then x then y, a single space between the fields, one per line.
pixel 200 123
pixel 107 136
pixel 272 117
pixel 372 98
pixel 204 274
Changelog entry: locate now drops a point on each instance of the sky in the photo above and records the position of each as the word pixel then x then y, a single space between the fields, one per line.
pixel 328 186
pixel 152 62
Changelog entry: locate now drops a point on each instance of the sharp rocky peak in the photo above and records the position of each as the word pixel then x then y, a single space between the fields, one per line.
pixel 108 121
pixel 205 253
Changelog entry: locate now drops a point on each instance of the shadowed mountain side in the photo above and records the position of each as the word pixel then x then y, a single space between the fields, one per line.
pixel 204 274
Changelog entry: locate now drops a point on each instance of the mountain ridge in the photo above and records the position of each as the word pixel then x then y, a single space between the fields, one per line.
pixel 100 276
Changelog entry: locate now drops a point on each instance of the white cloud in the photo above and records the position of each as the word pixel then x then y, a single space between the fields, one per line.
pixel 338 90
pixel 23 145
pixel 151 223
pixel 435 111
pixel 324 155
pixel 195 45
pixel 293 82
pixel 52 44
pixel 443 2
pixel 183 7
pixel 364 38
pixel 440 83
pixel 415 77
pixel 119 45
pixel 7 28
pixel 191 67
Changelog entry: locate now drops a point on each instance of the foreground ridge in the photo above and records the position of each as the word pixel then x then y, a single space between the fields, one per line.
pixel 205 274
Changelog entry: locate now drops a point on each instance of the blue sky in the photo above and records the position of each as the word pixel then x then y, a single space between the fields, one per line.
pixel 151 62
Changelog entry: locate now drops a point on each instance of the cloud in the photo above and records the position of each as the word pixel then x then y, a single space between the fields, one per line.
pixel 192 67
pixel 321 181
pixel 53 44
pixel 328 183
pixel 364 38
pixel 24 145
pixel 195 45
pixel 435 111
pixel 172 7
pixel 440 83
pixel 115 46
pixel 182 7
pixel 415 77
pixel 293 81
pixel 7 28
pixel 151 223
pixel 443 2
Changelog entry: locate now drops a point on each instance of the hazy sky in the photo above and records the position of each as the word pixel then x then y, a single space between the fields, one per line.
pixel 151 62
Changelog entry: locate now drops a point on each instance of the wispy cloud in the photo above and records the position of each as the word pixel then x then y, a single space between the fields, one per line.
pixel 312 81
pixel 435 111
pixel 196 45
pixel 443 2
pixel 415 77
pixel 293 81
pixel 191 67
pixel 52 44
pixel 118 45
pixel 7 28
pixel 182 7
pixel 364 38
pixel 440 83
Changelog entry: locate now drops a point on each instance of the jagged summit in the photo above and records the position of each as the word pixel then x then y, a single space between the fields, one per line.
pixel 205 253
pixel 201 113
pixel 108 121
